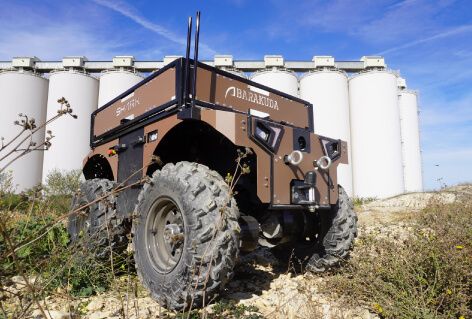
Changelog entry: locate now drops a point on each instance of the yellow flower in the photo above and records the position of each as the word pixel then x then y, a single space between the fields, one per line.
pixel 378 308
pixel 459 247
pixel 449 291
pixel 461 317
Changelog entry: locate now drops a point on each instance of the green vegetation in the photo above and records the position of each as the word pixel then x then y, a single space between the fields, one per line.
pixel 43 249
pixel 428 275
pixel 359 201
pixel 34 244
pixel 63 183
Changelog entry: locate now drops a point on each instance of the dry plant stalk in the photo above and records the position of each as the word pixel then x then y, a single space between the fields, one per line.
pixel 13 248
pixel 22 143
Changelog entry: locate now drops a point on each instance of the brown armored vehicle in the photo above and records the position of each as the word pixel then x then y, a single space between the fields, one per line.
pixel 194 165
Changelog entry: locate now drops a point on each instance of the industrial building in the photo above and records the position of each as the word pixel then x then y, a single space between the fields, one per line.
pixel 361 102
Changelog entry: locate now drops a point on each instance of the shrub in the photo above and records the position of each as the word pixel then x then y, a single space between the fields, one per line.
pixel 6 182
pixel 63 183
pixel 428 275
pixel 50 257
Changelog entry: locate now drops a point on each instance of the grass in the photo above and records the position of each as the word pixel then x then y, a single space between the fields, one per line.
pixel 426 275
pixel 54 266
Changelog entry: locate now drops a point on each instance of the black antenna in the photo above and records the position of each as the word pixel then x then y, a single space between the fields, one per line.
pixel 187 63
pixel 195 59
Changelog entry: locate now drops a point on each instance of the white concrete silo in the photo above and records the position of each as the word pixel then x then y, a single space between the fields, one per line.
pixel 114 82
pixel 375 135
pixel 327 89
pixel 23 92
pixel 72 136
pixel 412 168
pixel 276 77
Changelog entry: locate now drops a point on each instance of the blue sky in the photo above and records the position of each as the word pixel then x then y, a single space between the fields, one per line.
pixel 430 42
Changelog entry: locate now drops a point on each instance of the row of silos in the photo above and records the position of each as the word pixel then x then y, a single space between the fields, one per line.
pixel 364 110
pixel 378 119
pixel 26 92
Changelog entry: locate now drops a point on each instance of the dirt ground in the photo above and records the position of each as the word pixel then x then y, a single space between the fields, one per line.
pixel 260 281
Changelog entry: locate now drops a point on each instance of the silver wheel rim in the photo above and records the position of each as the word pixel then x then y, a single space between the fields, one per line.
pixel 164 235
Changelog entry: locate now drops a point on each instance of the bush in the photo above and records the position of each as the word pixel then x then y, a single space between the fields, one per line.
pixel 50 257
pixel 428 275
pixel 6 182
pixel 63 183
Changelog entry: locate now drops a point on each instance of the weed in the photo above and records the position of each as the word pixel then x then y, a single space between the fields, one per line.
pixel 425 276
pixel 359 201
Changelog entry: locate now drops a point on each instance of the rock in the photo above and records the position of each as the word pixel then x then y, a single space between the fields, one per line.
pixel 240 295
pixel 411 202
pixel 95 305
pixel 18 281
pixel 52 314
pixel 99 315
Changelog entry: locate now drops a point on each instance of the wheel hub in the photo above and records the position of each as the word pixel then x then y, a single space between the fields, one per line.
pixel 173 234
pixel 164 236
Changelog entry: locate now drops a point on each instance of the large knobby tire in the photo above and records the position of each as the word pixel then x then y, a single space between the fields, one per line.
pixel 336 234
pixel 97 228
pixel 185 235
pixel 340 225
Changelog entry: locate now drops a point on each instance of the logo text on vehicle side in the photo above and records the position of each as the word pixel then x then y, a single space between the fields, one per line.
pixel 250 96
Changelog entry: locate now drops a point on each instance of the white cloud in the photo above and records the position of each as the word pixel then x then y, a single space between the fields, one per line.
pixel 338 15
pixel 447 112
pixel 51 37
pixel 54 42
pixel 445 34
pixel 131 13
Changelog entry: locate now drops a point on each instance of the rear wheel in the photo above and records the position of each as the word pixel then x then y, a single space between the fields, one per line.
pixel 94 224
pixel 336 234
pixel 185 235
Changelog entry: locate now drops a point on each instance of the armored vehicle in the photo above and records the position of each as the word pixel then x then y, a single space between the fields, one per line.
pixel 195 165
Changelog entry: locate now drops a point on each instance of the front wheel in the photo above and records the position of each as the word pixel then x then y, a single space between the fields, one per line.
pixel 185 235
pixel 336 231
pixel 340 230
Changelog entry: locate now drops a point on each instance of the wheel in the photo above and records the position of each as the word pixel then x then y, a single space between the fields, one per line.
pixel 336 234
pixel 337 241
pixel 185 235
pixel 97 226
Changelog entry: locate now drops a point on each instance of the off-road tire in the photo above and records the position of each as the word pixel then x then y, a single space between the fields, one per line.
pixel 210 248
pixel 97 228
pixel 337 231
pixel 341 225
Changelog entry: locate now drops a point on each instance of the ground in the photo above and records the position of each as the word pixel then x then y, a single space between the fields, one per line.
pixel 262 288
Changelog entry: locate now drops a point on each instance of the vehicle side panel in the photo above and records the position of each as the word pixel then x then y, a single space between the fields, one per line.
pixel 238 95
pixel 150 95
pixel 162 127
